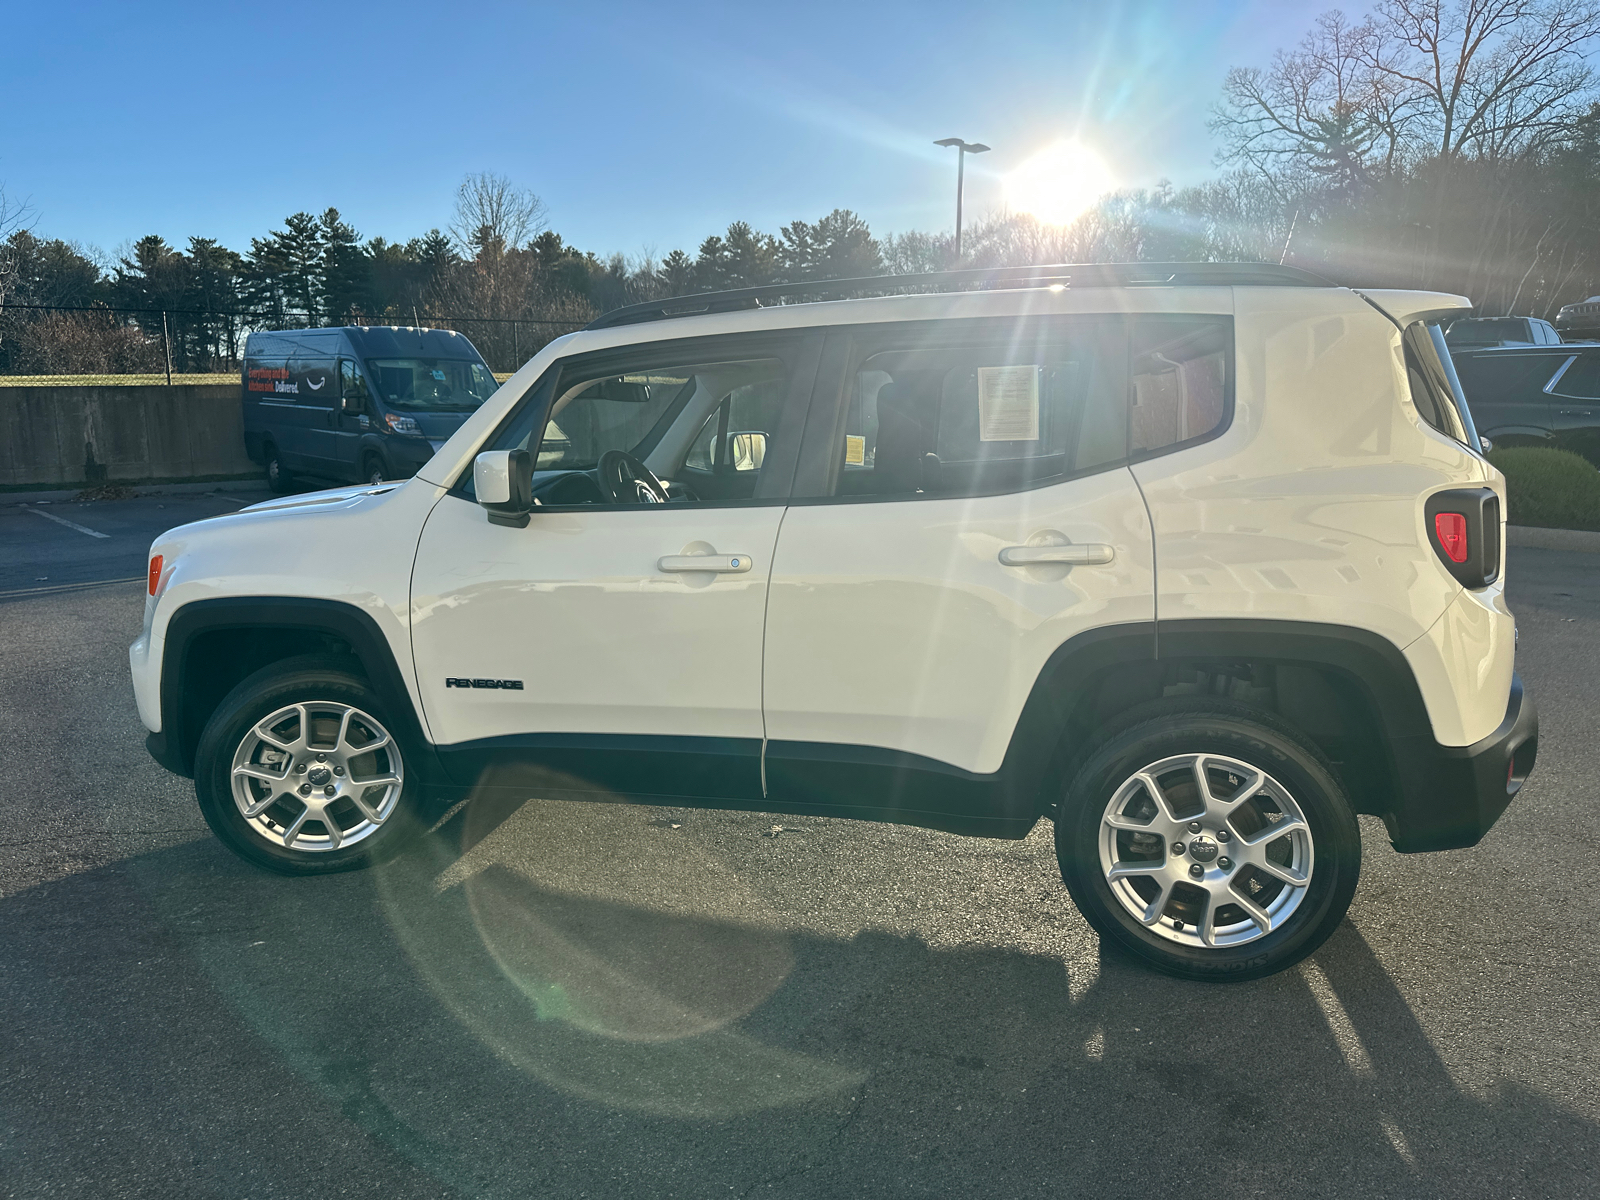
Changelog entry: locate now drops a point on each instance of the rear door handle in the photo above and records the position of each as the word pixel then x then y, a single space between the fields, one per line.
pixel 1088 554
pixel 724 564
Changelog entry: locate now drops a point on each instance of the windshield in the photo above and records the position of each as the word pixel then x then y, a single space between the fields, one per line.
pixel 431 384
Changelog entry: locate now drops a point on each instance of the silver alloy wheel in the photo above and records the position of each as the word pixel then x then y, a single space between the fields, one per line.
pixel 1206 850
pixel 317 776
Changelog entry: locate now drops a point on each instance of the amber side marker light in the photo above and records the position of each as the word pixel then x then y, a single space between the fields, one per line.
pixel 1451 530
pixel 155 573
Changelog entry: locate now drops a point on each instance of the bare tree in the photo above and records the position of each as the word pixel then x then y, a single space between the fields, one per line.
pixel 1494 78
pixel 1329 106
pixel 495 218
pixel 14 216
pixel 1485 79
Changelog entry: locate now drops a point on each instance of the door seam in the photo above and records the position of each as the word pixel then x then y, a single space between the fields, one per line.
pixel 1155 573
pixel 766 607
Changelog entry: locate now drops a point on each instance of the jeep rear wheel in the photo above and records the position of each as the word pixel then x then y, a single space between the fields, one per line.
pixel 299 771
pixel 1211 841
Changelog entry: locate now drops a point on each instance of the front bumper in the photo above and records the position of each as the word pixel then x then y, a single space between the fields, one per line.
pixel 1451 795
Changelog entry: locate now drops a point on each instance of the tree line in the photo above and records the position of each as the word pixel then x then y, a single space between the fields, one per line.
pixel 1429 144
pixel 498 272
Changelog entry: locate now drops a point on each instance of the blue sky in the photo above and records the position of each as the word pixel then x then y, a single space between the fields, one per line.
pixel 642 126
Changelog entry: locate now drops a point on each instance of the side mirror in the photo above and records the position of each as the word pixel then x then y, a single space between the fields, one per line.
pixel 354 404
pixel 747 450
pixel 503 482
pixel 1485 443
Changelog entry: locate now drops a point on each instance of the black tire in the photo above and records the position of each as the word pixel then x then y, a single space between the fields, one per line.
pixel 278 479
pixel 313 680
pixel 373 470
pixel 1257 739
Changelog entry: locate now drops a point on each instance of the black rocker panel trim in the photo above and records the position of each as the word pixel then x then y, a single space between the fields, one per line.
pixel 607 766
pixel 345 622
pixel 871 783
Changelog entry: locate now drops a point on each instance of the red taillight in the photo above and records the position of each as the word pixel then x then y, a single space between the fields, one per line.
pixel 1451 530
pixel 155 573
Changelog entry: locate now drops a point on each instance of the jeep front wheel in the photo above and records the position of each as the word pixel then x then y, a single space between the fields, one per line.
pixel 1213 842
pixel 300 771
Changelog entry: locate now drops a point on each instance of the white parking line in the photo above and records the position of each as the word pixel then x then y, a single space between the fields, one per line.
pixel 54 589
pixel 69 524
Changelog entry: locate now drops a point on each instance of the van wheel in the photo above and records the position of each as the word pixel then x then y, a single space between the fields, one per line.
pixel 278 479
pixel 301 770
pixel 1210 840
pixel 372 469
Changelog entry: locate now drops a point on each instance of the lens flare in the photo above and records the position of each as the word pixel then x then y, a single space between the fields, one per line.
pixel 1058 184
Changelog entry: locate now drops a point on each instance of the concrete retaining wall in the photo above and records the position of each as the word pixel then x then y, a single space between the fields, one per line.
pixel 89 435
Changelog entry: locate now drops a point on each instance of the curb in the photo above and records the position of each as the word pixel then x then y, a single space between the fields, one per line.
pixel 1553 539
pixel 246 486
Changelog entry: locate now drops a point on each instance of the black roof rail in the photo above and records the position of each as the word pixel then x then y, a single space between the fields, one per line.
pixel 1179 274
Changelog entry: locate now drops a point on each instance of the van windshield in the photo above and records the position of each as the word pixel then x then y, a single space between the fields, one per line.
pixel 431 384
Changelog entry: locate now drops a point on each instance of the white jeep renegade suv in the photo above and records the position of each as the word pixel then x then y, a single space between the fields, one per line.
pixel 1198 560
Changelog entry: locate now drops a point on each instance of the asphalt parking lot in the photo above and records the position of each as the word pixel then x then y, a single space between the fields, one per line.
pixel 591 1000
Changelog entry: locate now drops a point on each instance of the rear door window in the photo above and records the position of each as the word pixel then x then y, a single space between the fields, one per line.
pixel 973 408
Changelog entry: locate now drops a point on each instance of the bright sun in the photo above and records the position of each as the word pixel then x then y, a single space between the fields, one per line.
pixel 1058 184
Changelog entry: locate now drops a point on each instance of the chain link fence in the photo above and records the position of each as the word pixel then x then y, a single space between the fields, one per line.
pixel 100 345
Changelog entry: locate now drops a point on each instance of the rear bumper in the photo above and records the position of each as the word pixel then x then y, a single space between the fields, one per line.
pixel 1451 795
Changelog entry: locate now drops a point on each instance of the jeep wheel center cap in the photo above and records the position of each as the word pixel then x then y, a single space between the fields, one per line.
pixel 1203 849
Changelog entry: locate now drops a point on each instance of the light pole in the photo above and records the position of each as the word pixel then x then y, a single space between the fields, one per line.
pixel 962 150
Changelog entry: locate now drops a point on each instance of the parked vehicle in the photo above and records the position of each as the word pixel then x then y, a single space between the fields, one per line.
pixel 1170 554
pixel 1580 321
pixel 1474 332
pixel 1536 397
pixel 358 402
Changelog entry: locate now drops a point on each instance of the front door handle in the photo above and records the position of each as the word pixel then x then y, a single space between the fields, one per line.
pixel 1087 554
pixel 723 564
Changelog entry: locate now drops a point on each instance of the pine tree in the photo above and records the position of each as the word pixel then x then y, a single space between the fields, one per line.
pixel 840 246
pixel 345 270
pixel 283 272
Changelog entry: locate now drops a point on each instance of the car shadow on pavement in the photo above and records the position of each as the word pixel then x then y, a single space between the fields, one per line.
pixel 482 1024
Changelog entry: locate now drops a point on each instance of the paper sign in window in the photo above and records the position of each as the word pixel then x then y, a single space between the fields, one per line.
pixel 1008 404
pixel 855 450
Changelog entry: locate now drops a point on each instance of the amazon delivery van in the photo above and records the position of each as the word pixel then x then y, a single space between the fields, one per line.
pixel 357 403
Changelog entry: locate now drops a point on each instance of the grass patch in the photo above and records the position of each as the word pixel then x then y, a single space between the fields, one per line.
pixel 1549 488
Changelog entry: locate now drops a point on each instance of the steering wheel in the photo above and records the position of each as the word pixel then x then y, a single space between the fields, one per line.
pixel 626 480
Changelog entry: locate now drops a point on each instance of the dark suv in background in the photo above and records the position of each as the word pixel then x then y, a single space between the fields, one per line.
pixel 1535 395
pixel 1580 320
pixel 1471 333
